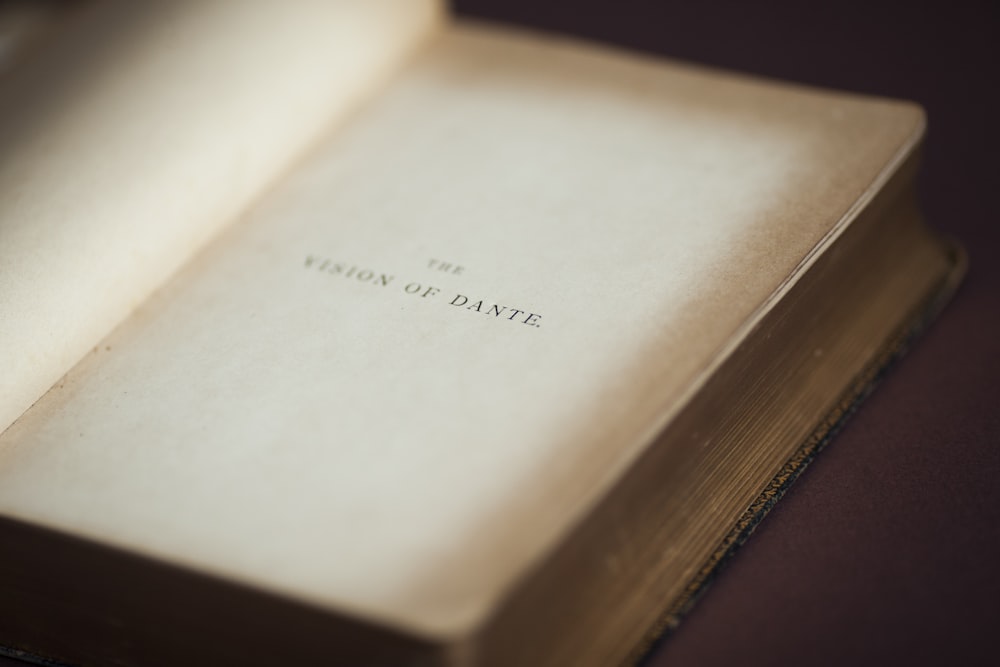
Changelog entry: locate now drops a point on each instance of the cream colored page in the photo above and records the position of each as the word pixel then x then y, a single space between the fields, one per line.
pixel 316 407
pixel 145 129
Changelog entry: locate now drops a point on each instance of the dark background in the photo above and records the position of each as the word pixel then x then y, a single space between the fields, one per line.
pixel 887 549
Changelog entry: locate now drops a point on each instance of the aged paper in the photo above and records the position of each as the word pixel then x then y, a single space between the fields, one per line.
pixel 397 382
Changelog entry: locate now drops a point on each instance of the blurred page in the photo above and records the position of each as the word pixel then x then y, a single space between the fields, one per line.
pixel 146 129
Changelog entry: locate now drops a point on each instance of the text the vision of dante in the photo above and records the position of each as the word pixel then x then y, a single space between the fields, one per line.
pixel 457 301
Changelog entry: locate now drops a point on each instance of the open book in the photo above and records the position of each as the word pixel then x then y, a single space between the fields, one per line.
pixel 350 333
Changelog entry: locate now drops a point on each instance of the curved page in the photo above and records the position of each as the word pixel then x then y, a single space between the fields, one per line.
pixel 143 130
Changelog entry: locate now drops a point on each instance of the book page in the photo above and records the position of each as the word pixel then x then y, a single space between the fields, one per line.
pixel 403 376
pixel 143 129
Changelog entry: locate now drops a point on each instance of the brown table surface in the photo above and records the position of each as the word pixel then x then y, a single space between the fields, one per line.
pixel 887 549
